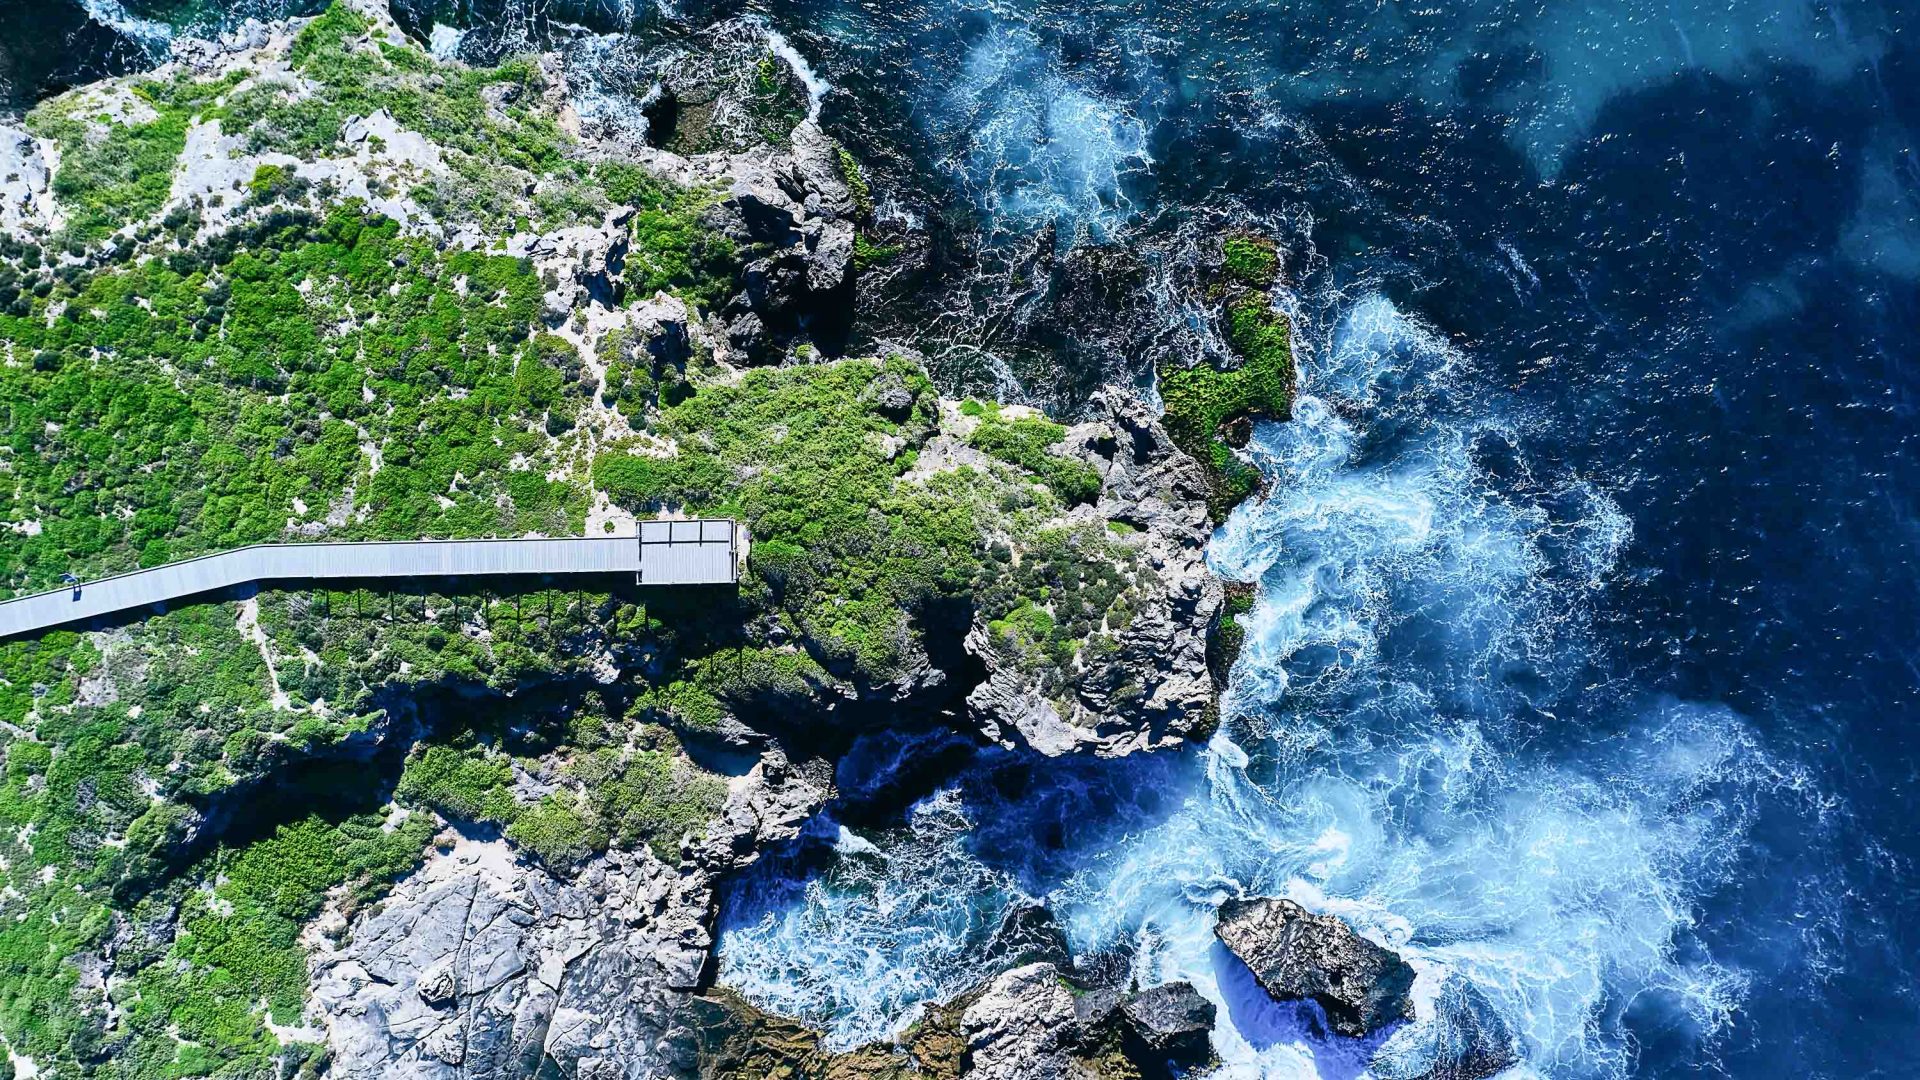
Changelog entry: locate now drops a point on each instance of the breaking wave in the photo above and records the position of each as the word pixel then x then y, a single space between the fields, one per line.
pixel 1032 147
pixel 1423 589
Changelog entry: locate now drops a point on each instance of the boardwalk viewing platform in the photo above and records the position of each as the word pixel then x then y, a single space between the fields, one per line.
pixel 704 552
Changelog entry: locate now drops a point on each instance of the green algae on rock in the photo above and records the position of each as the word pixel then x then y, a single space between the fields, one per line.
pixel 1206 405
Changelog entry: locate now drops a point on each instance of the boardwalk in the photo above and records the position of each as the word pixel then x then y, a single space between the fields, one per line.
pixel 665 553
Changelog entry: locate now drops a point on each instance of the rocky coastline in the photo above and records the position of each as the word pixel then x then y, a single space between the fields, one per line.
pixel 538 925
pixel 541 925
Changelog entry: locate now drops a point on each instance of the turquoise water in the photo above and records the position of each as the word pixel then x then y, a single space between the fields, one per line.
pixel 1582 668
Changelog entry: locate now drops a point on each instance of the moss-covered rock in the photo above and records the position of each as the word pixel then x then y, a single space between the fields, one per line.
pixel 1204 403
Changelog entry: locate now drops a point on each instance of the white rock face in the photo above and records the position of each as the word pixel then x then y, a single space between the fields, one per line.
pixel 481 965
pixel 26 198
pixel 465 970
pixel 1022 1026
pixel 381 136
pixel 215 170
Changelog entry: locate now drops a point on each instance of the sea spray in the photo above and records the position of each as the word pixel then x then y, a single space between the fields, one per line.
pixel 892 922
pixel 1422 598
pixel 1036 149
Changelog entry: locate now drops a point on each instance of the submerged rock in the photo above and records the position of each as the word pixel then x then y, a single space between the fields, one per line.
pixel 1028 934
pixel 1465 1039
pixel 1297 955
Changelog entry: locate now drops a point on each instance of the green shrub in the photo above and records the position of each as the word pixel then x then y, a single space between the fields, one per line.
pixel 1250 260
pixel 1201 400
pixel 466 785
pixel 856 182
pixel 557 832
pixel 1026 443
pixel 867 254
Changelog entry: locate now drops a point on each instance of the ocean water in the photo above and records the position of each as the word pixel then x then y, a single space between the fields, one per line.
pixel 1583 668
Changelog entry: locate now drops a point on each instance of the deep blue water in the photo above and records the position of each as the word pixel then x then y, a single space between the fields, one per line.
pixel 1584 665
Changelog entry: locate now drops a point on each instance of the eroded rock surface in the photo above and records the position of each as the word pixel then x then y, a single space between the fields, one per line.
pixel 1022 1027
pixel 1155 691
pixel 1171 1020
pixel 1297 955
pixel 1035 1023
pixel 25 198
pixel 483 965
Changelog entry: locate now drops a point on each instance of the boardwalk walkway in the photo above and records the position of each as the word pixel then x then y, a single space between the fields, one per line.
pixel 665 553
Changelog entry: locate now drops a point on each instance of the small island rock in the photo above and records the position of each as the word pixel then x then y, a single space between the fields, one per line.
pixel 1297 955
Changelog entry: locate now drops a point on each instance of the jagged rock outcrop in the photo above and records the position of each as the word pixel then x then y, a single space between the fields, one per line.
pixel 1034 1023
pixel 792 207
pixel 1297 955
pixel 1171 1020
pixel 484 966
pixel 1156 691
pixel 1023 1027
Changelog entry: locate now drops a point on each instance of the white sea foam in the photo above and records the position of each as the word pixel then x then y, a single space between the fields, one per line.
pixel 891 925
pixel 1033 147
pixel 152 35
pixel 817 87
pixel 1412 604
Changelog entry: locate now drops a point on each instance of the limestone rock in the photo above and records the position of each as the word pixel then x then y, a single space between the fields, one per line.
pixel 1171 1020
pixel 1298 955
pixel 1156 690
pixel 25 199
pixel 793 207
pixel 1023 1027
pixel 481 966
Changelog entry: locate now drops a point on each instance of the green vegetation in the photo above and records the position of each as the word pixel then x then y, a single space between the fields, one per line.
pixel 868 255
pixel 799 454
pixel 1068 592
pixel 495 129
pixel 117 167
pixel 79 775
pixel 1228 636
pixel 468 785
pixel 1027 443
pixel 313 371
pixel 239 390
pixel 1249 260
pixel 488 119
pixel 674 253
pixel 649 794
pixel 856 181
pixel 239 941
pixel 1203 402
